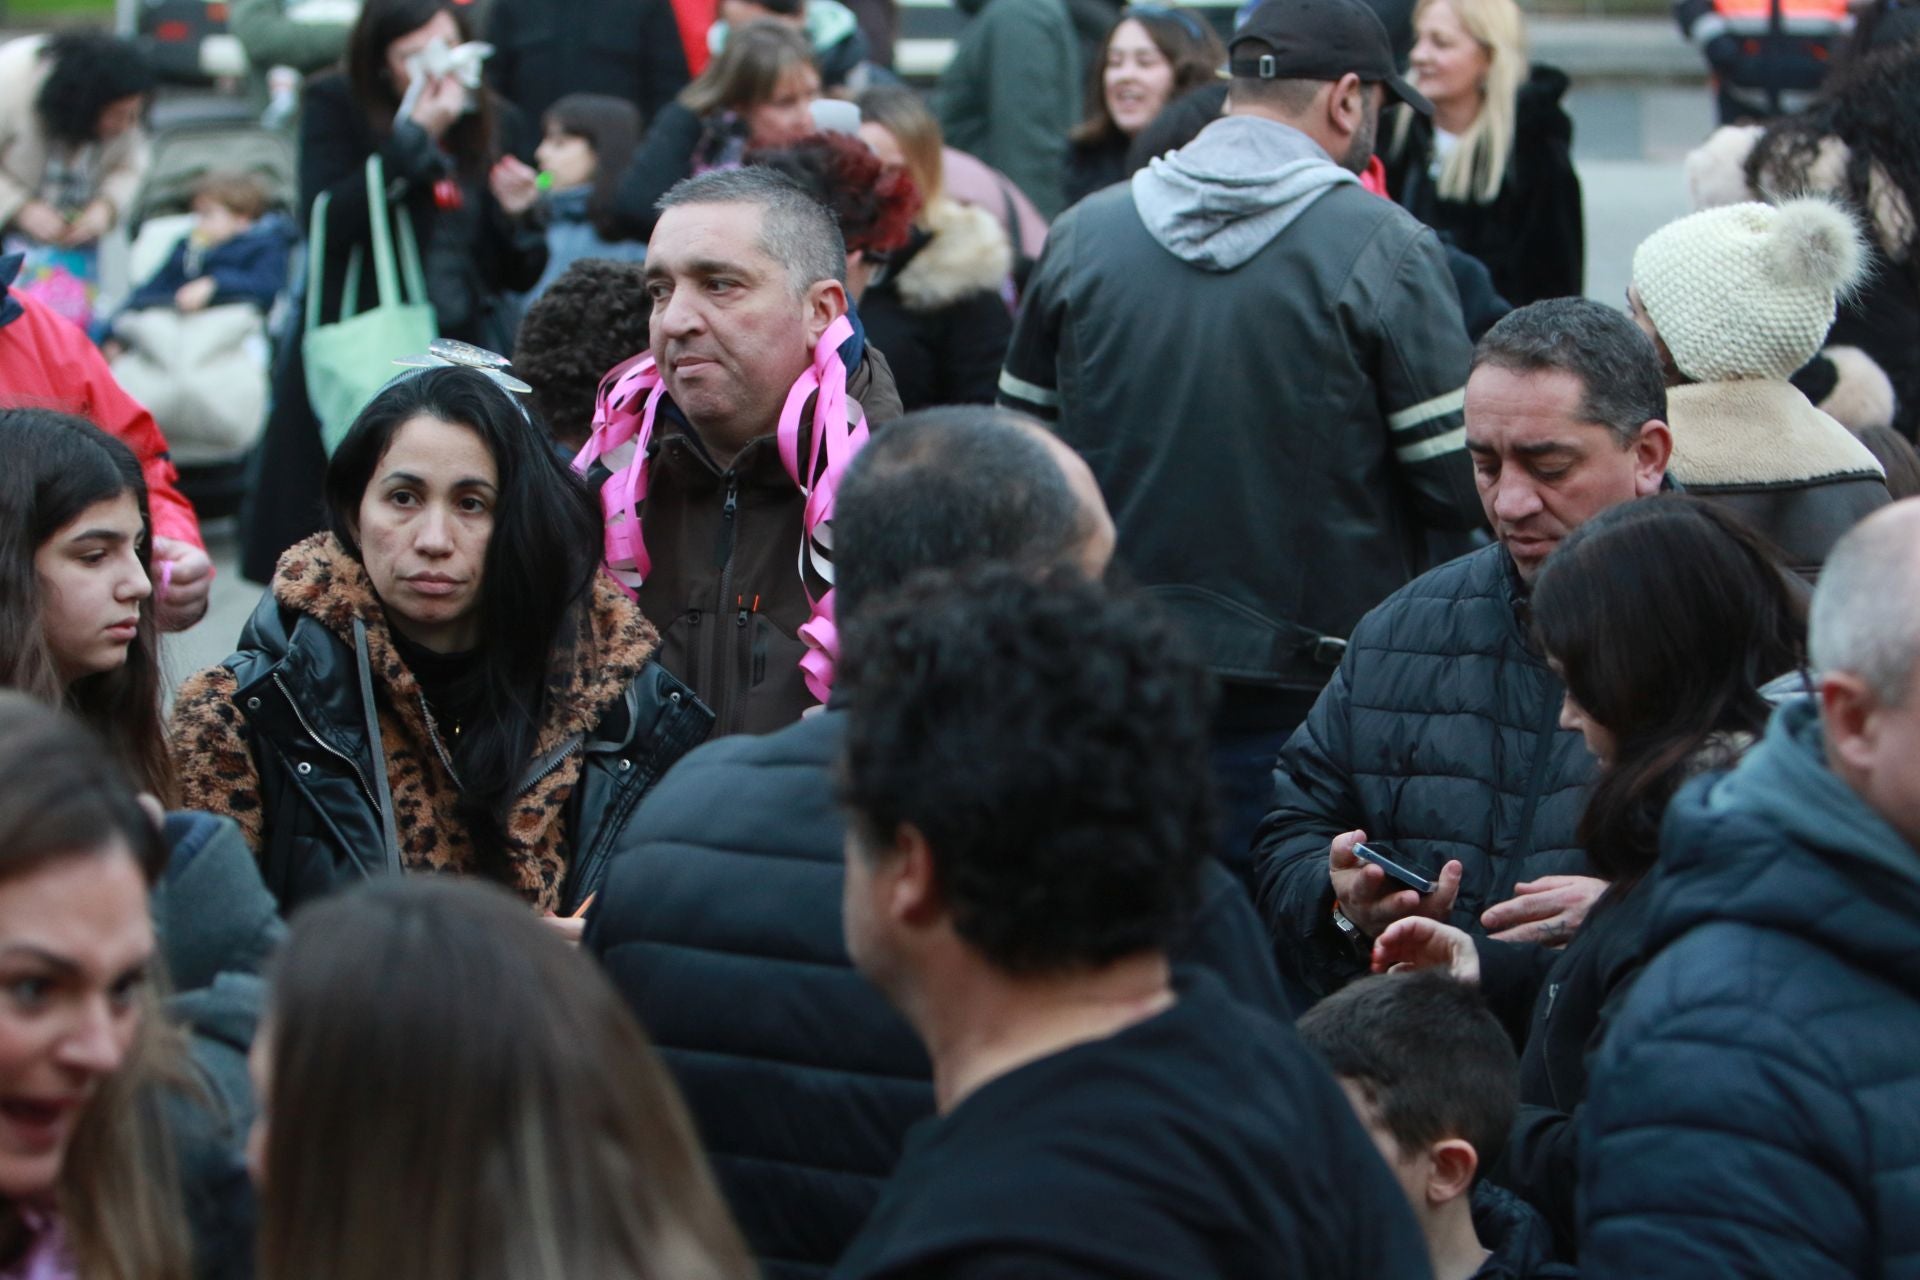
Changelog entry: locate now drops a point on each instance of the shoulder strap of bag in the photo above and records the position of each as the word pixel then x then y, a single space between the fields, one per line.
pixel 317 259
pixel 386 275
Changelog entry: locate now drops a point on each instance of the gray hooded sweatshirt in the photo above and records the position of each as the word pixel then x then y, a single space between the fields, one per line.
pixel 1224 196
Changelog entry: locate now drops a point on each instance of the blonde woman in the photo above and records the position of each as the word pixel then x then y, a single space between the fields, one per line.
pixel 1492 171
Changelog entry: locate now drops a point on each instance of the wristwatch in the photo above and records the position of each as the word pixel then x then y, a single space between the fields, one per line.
pixel 1351 931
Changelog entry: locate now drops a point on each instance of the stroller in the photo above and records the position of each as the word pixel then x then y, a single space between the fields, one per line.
pixel 204 377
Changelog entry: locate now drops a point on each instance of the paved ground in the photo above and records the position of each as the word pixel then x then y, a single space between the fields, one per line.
pixel 1629 142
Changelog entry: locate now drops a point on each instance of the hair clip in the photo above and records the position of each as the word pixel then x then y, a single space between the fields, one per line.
pixel 444 353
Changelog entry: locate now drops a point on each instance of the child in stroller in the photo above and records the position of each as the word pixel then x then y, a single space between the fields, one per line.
pixel 236 252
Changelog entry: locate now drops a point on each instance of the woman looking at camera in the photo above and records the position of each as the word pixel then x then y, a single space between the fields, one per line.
pixel 442 681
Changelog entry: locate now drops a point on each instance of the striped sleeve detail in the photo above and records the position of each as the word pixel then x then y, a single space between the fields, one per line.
pixel 1418 415
pixel 1433 447
pixel 1021 394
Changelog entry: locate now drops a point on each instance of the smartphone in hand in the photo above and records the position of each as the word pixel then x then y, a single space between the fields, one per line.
pixel 1390 860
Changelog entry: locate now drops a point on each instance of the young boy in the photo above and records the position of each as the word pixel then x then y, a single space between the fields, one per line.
pixel 236 252
pixel 1436 1084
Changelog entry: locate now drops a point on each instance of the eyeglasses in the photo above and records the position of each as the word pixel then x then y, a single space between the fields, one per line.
pixel 1162 13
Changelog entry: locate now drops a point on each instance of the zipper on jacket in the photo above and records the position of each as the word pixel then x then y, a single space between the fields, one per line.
pixel 729 536
pixel 1553 993
pixel 439 749
pixel 554 759
pixel 694 656
pixel 322 743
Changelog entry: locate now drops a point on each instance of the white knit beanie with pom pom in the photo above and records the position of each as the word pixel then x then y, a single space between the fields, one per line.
pixel 1749 290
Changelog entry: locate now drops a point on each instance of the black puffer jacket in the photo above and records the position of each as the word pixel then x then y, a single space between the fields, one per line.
pixel 1439 735
pixel 1752 1112
pixel 939 314
pixel 1532 236
pixel 721 927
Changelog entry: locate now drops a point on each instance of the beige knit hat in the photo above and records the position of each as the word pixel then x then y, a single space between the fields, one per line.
pixel 1749 290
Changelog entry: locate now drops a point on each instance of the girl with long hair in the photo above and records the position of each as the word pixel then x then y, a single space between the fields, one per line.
pixel 458 167
pixel 88 1188
pixel 757 92
pixel 1153 54
pixel 1668 620
pixel 78 629
pixel 587 143
pixel 452 1094
pixel 442 681
pixel 1492 170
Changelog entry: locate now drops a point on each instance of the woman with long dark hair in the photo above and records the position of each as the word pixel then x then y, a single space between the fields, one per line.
pixel 1668 619
pixel 587 143
pixel 442 681
pixel 458 166
pixel 1154 54
pixel 470 1100
pixel 78 627
pixel 88 1188
pixel 757 92
pixel 72 152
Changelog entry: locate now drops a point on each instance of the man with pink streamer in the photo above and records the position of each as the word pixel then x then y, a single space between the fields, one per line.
pixel 723 442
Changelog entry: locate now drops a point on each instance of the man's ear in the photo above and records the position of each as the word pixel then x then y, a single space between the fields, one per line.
pixel 1847 718
pixel 1652 450
pixel 826 302
pixel 913 893
pixel 1452 1164
pixel 1347 105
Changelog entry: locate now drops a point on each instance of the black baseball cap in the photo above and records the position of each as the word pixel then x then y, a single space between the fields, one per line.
pixel 1319 40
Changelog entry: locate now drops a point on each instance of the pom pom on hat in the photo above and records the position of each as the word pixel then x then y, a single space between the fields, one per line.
pixel 1749 290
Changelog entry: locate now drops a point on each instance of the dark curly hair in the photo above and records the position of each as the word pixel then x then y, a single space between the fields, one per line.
pixel 875 207
pixel 1665 617
pixel 1867 104
pixel 590 319
pixel 1049 739
pixel 89 72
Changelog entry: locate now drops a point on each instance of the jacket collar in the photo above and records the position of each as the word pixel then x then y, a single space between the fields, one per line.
pixel 318 579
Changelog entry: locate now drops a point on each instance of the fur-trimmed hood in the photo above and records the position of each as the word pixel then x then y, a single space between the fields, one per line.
pixel 1759 432
pixel 1717 175
pixel 966 253
pixel 319 578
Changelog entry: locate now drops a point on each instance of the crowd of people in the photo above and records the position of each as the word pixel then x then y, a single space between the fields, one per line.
pixel 820 723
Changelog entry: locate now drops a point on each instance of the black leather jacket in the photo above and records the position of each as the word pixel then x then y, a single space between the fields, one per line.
pixel 303 694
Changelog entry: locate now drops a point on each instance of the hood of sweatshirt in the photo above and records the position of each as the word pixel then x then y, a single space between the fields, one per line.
pixel 1226 195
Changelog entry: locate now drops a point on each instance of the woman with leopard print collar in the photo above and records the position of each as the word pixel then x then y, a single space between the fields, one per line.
pixel 442 681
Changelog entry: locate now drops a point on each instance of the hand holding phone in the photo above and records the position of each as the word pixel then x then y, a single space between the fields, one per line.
pixel 1391 861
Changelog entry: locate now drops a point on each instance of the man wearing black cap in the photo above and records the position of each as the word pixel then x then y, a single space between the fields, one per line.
pixel 1263 364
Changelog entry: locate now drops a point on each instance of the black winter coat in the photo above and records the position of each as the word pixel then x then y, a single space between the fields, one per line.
pixel 721 926
pixel 1580 992
pixel 472 257
pixel 1532 237
pixel 546 49
pixel 1752 1113
pixel 939 316
pixel 1439 734
pixel 299 687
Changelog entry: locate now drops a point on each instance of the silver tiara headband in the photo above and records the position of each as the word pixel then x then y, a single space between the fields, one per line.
pixel 446 353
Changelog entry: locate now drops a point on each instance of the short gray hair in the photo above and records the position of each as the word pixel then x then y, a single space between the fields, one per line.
pixel 1866 608
pixel 1598 344
pixel 797 231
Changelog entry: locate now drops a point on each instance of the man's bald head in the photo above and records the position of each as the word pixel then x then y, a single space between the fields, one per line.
pixel 950 487
pixel 1866 609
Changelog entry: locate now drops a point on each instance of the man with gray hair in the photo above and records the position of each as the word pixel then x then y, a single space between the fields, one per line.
pixel 747 277
pixel 1438 737
pixel 1752 1111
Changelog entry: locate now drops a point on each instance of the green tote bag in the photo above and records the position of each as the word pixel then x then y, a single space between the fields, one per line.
pixel 352 358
